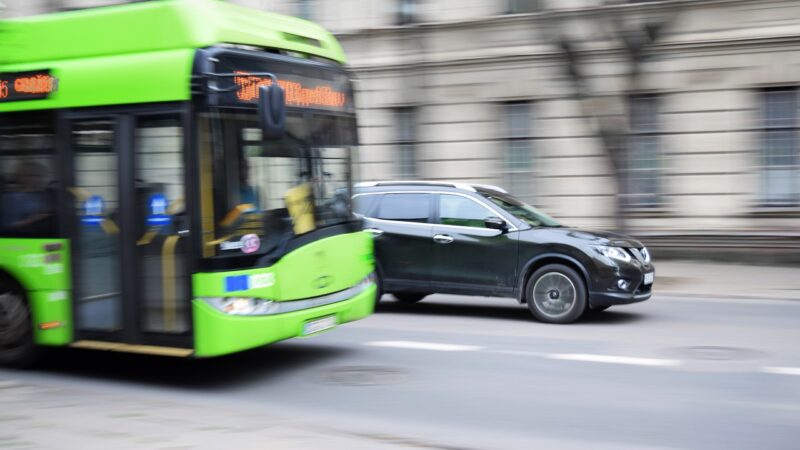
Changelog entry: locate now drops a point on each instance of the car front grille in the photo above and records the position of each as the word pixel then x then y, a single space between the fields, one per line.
pixel 636 253
pixel 644 289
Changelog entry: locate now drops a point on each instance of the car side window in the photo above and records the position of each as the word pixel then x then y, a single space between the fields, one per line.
pixel 365 203
pixel 462 211
pixel 405 207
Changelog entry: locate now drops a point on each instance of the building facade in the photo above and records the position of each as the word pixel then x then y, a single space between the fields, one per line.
pixel 701 95
pixel 484 91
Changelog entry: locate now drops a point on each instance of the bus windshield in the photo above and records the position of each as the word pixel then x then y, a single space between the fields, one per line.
pixel 265 194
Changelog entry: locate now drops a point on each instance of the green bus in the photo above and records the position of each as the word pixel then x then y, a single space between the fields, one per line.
pixel 175 179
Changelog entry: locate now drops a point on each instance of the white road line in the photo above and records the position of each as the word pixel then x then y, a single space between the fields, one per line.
pixel 744 300
pixel 425 346
pixel 609 359
pixel 519 353
pixel 781 370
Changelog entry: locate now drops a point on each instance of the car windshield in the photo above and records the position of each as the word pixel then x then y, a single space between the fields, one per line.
pixel 521 210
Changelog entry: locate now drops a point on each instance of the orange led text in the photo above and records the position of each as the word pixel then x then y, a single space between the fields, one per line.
pixel 36 84
pixel 296 93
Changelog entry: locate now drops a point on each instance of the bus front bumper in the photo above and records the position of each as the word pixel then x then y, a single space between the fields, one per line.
pixel 217 333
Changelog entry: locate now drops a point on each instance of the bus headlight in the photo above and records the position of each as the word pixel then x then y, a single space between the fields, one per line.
pixel 241 306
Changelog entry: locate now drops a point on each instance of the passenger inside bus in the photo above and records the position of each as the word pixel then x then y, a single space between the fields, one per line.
pixel 247 193
pixel 27 200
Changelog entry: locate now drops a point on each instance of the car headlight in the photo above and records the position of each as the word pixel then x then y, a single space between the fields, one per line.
pixel 617 253
pixel 241 306
pixel 645 255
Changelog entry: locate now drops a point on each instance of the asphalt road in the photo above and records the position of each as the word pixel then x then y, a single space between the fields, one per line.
pixel 478 373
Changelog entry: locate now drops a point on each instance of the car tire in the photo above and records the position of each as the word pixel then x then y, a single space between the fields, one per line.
pixel 17 347
pixel 409 297
pixel 556 293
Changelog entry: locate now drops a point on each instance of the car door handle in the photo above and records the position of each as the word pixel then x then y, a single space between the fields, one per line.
pixel 442 239
pixel 375 231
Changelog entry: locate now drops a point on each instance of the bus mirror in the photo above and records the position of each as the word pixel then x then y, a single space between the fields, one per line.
pixel 272 111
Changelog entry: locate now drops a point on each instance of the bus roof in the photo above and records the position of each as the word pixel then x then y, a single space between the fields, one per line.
pixel 142 52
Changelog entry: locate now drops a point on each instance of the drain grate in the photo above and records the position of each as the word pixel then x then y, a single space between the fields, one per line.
pixel 362 376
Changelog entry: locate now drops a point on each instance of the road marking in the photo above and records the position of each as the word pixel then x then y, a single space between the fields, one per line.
pixel 425 346
pixel 519 353
pixel 781 370
pixel 743 300
pixel 609 359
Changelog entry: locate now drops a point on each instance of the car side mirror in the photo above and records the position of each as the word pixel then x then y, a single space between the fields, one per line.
pixel 272 111
pixel 495 223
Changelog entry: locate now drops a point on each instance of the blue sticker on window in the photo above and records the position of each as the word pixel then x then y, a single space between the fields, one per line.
pixel 158 216
pixel 93 210
pixel 237 283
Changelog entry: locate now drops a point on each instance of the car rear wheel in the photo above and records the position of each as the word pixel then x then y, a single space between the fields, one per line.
pixel 409 297
pixel 17 348
pixel 556 294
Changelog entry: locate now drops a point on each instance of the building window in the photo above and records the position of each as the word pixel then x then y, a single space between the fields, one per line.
pixel 522 6
pixel 304 9
pixel 406 11
pixel 519 150
pixel 406 142
pixel 780 156
pixel 643 168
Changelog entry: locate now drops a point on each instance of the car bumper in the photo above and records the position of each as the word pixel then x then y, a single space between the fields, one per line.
pixel 606 292
pixel 616 298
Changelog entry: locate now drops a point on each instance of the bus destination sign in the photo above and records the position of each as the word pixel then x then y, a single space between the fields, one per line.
pixel 305 84
pixel 320 96
pixel 27 85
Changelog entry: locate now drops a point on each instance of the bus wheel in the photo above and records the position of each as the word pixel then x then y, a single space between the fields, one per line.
pixel 17 348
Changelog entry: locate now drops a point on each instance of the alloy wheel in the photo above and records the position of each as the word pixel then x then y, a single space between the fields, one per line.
pixel 554 294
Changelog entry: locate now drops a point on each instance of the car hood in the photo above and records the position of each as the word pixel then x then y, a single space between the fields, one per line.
pixel 595 237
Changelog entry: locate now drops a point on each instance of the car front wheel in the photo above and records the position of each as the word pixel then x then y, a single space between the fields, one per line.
pixel 556 294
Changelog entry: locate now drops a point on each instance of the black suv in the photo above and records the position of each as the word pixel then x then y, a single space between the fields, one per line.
pixel 433 237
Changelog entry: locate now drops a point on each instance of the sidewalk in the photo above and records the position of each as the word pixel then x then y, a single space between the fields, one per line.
pixel 712 279
pixel 37 416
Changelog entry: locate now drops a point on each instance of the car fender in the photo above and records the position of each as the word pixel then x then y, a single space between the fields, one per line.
pixel 520 290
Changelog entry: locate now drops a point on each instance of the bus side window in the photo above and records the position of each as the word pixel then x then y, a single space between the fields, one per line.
pixel 28 182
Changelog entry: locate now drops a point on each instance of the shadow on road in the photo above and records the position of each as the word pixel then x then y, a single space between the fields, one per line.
pixel 503 310
pixel 610 316
pixel 278 361
pixel 222 373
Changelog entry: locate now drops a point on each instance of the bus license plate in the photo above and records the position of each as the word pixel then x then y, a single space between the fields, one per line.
pixel 649 277
pixel 318 325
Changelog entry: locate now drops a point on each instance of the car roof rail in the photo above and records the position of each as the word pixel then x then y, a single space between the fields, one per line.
pixel 490 187
pixel 462 186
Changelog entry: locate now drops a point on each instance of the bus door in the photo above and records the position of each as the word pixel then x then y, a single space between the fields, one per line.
pixel 127 186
